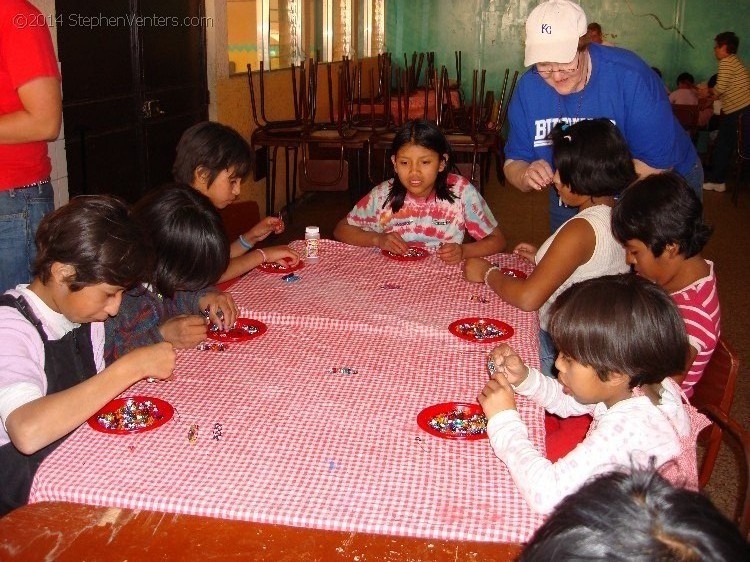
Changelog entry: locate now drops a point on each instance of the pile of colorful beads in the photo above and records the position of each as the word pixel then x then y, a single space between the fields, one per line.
pixel 130 417
pixel 480 330
pixel 274 266
pixel 456 423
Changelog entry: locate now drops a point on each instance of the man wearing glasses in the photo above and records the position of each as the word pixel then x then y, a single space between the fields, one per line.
pixel 572 79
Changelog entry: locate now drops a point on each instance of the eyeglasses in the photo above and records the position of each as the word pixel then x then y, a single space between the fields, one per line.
pixel 547 72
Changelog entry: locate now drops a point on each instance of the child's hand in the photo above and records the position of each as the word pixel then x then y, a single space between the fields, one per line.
pixel 216 302
pixel 392 242
pixel 451 253
pixel 184 331
pixel 264 227
pixel 281 254
pixel 475 268
pixel 507 362
pixel 497 396
pixel 151 361
pixel 526 251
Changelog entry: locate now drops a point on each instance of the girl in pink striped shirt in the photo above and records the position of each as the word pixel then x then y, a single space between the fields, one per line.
pixel 659 220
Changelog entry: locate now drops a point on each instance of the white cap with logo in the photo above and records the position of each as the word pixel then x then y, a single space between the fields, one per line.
pixel 552 32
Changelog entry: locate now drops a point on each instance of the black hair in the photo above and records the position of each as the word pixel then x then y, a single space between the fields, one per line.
pixel 712 81
pixel 620 324
pixel 214 147
pixel 98 237
pixel 686 77
pixel 594 26
pixel 427 134
pixel 635 516
pixel 592 157
pixel 729 39
pixel 658 210
pixel 190 250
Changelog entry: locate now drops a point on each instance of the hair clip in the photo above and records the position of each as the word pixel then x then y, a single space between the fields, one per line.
pixel 568 138
pixel 564 126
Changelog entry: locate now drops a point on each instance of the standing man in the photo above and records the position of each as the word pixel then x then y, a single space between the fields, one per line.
pixel 733 90
pixel 30 115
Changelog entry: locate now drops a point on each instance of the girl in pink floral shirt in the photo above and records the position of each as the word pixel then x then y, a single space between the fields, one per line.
pixel 424 205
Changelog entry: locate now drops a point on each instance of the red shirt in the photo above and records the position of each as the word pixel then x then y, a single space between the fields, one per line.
pixel 26 53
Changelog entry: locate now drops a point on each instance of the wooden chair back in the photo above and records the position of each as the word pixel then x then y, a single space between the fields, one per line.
pixel 687 115
pixel 239 217
pixel 716 388
pixel 728 426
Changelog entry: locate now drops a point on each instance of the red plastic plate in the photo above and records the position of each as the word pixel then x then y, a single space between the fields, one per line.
pixel 507 329
pixel 162 414
pixel 273 267
pixel 237 334
pixel 415 254
pixel 511 272
pixel 440 420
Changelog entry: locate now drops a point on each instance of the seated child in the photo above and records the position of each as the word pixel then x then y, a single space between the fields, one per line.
pixel 620 337
pixel 592 164
pixel 52 373
pixel 189 253
pixel 635 515
pixel 215 159
pixel 686 93
pixel 423 204
pixel 659 220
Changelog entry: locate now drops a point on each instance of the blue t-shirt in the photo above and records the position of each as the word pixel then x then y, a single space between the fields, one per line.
pixel 622 88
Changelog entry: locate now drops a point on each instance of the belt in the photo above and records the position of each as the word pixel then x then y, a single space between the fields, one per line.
pixel 35 184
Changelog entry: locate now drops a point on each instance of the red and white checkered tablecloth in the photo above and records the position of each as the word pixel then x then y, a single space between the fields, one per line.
pixel 304 448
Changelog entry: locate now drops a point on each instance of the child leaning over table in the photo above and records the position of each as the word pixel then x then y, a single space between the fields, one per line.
pixel 619 338
pixel 593 164
pixel 659 220
pixel 423 204
pixel 214 159
pixel 52 373
pixel 189 252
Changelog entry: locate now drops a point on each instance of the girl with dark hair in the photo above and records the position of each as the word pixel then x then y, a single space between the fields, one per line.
pixel 52 371
pixel 620 338
pixel 636 516
pixel 189 252
pixel 659 220
pixel 424 204
pixel 592 164
pixel 214 159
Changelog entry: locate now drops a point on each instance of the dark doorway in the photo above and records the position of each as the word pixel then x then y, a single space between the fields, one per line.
pixel 134 78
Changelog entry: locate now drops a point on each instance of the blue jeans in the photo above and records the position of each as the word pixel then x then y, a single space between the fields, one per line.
pixel 547 354
pixel 21 210
pixel 726 143
pixel 694 178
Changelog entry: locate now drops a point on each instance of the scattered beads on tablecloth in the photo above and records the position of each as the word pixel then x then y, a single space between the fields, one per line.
pixel 390 286
pixel 131 416
pixel 480 330
pixel 455 422
pixel 291 277
pixel 192 434
pixel 341 371
pixel 479 298
pixel 212 346
pixel 217 433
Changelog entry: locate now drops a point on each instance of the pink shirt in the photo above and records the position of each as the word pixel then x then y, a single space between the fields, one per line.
pixel 699 306
pixel 428 220
pixel 627 434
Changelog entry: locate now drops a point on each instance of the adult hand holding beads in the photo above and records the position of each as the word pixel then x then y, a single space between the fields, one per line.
pixel 537 176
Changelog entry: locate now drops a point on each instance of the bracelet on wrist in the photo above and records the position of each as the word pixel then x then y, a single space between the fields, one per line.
pixel 262 253
pixel 487 273
pixel 244 243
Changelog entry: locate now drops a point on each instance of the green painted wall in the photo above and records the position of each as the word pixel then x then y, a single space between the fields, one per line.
pixel 490 32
